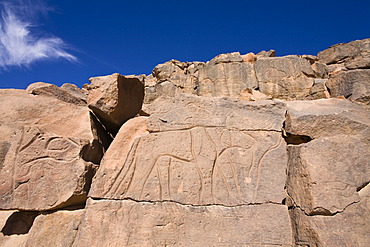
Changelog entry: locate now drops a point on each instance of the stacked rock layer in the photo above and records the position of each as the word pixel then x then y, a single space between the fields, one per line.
pixel 243 150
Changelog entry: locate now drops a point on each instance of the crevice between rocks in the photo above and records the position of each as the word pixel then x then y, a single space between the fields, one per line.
pixel 21 222
pixel 186 204
pixel 362 186
pixel 292 139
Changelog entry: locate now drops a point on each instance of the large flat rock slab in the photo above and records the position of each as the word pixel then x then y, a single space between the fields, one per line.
pixel 129 223
pixel 234 158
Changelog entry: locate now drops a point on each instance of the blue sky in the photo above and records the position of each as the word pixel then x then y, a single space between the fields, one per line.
pixel 73 40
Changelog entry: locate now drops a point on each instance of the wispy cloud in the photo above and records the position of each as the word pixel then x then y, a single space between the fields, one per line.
pixel 20 45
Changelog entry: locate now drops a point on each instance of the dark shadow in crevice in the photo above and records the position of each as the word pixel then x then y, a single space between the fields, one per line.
pixel 19 223
pixel 292 139
pixel 296 139
pixel 362 186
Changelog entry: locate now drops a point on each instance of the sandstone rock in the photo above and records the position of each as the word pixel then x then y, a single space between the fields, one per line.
pixel 57 229
pixel 115 98
pixel 188 111
pixel 312 59
pixel 170 79
pixel 75 91
pixel 252 95
pixel 324 175
pixel 353 85
pixel 249 57
pixel 287 77
pixel 198 155
pixel 226 76
pixel 334 69
pixel 48 148
pixel 320 69
pixel 348 228
pixel 319 90
pixel 46 89
pixel 132 223
pixel 354 55
pixel 270 53
pixel 14 227
pixel 227 58
pixel 327 117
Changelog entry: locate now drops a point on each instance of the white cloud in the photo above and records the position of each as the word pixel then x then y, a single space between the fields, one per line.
pixel 19 44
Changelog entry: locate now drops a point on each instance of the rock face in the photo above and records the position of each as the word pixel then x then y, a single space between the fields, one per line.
pixel 50 149
pixel 243 150
pixel 353 55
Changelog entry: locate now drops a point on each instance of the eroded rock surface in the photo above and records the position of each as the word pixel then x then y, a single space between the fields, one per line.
pixel 171 224
pixel 289 77
pixel 50 149
pixel 199 159
pixel 354 55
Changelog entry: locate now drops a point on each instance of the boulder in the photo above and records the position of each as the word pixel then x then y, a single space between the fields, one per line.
pixel 115 98
pixel 270 53
pixel 353 85
pixel 354 55
pixel 49 149
pixel 63 94
pixel 320 70
pixel 133 223
pixel 288 78
pixel 172 78
pixel 226 76
pixel 327 117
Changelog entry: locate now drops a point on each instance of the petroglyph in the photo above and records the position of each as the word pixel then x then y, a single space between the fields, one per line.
pixel 201 166
pixel 37 159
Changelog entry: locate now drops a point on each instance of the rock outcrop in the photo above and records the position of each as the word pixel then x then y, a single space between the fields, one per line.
pixel 243 150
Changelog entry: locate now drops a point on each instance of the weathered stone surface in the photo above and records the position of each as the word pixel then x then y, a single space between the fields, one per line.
pixel 46 89
pixel 354 55
pixel 312 59
pixel 75 91
pixel 198 159
pixel 252 95
pixel 353 85
pixel 270 53
pixel 287 77
pixel 320 69
pixel 172 78
pixel 48 148
pixel 57 229
pixel 226 75
pixel 327 117
pixel 325 174
pixel 115 98
pixel 129 223
pixel 249 57
pixel 188 111
pixel 318 90
pixel 348 228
